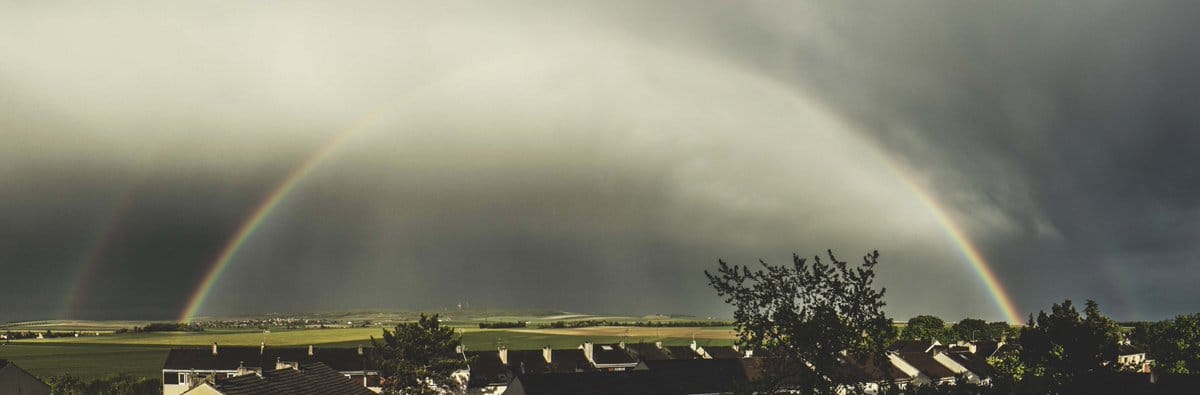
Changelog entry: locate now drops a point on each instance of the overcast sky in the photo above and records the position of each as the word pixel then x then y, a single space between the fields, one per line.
pixel 593 156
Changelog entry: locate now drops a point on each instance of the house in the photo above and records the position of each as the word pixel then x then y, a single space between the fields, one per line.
pixel 906 346
pixel 648 351
pixel 660 377
pixel 610 357
pixel 1132 358
pixel 305 379
pixel 189 367
pixel 16 381
pixel 487 373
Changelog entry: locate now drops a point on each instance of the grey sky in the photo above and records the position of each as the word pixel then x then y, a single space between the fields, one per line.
pixel 591 156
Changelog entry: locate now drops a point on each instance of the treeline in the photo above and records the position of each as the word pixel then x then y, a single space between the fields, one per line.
pixel 169 327
pixel 1174 344
pixel 122 384
pixel 46 334
pixel 928 327
pixel 501 325
pixel 651 324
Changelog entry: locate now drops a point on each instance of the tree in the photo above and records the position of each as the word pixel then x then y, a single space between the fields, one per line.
pixel 1063 350
pixel 419 357
pixel 804 316
pixel 971 329
pixel 1174 343
pixel 925 327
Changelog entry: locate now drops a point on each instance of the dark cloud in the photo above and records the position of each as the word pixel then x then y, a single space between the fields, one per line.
pixel 593 157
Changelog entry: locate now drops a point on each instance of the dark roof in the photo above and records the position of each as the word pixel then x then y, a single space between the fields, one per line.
pixel 636 382
pixel 1128 349
pixel 905 346
pixel 648 351
pixel 527 362
pixel 611 354
pixel 723 352
pixel 974 362
pixel 229 358
pixel 682 352
pixel 870 369
pixel 310 379
pixel 18 381
pixel 486 369
pixel 662 377
pixel 569 361
pixel 927 365
pixel 700 376
pixel 986 348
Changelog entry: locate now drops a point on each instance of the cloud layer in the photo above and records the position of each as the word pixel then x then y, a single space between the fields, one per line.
pixel 592 157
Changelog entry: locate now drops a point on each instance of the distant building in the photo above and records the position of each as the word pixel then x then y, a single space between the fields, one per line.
pixel 186 368
pixel 1132 358
pixel 16 381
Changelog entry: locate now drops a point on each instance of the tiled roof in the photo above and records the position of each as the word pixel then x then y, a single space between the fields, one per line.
pixel 310 379
pixel 229 358
pixel 869 369
pixel 1128 349
pixel 486 369
pixel 974 362
pixel 569 361
pixel 611 354
pixel 723 352
pixel 904 346
pixel 648 351
pixel 527 362
pixel 682 352
pixel 699 376
pixel 927 365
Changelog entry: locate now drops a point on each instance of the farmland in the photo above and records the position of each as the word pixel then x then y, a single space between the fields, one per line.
pixel 142 354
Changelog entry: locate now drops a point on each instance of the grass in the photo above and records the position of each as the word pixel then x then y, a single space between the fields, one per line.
pixel 84 360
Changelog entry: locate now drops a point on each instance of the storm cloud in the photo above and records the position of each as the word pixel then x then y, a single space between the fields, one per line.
pixel 591 156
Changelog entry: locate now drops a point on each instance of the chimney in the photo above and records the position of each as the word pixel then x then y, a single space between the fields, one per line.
pixel 971 347
pixel 360 351
pixel 546 353
pixel 734 347
pixel 587 351
pixel 241 370
pixel 214 352
pixel 621 344
pixel 279 364
pixel 693 345
pixel 310 350
pixel 504 355
pixel 262 347
pixel 658 344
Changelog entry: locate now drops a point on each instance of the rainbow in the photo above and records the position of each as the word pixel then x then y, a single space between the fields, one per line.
pixel 194 304
pixel 969 250
pixel 264 208
pixel 94 254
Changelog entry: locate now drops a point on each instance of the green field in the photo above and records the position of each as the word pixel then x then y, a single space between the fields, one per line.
pixel 142 354
pixel 84 360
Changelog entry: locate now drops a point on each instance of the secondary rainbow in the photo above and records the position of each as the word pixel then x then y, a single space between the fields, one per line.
pixel 95 252
pixel 264 208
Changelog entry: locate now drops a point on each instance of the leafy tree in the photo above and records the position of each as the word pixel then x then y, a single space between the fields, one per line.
pixel 419 357
pixel 925 327
pixel 1174 343
pixel 804 315
pixel 1064 349
pixel 969 329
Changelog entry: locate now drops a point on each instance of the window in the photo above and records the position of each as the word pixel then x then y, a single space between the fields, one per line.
pixel 183 378
pixel 170 378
